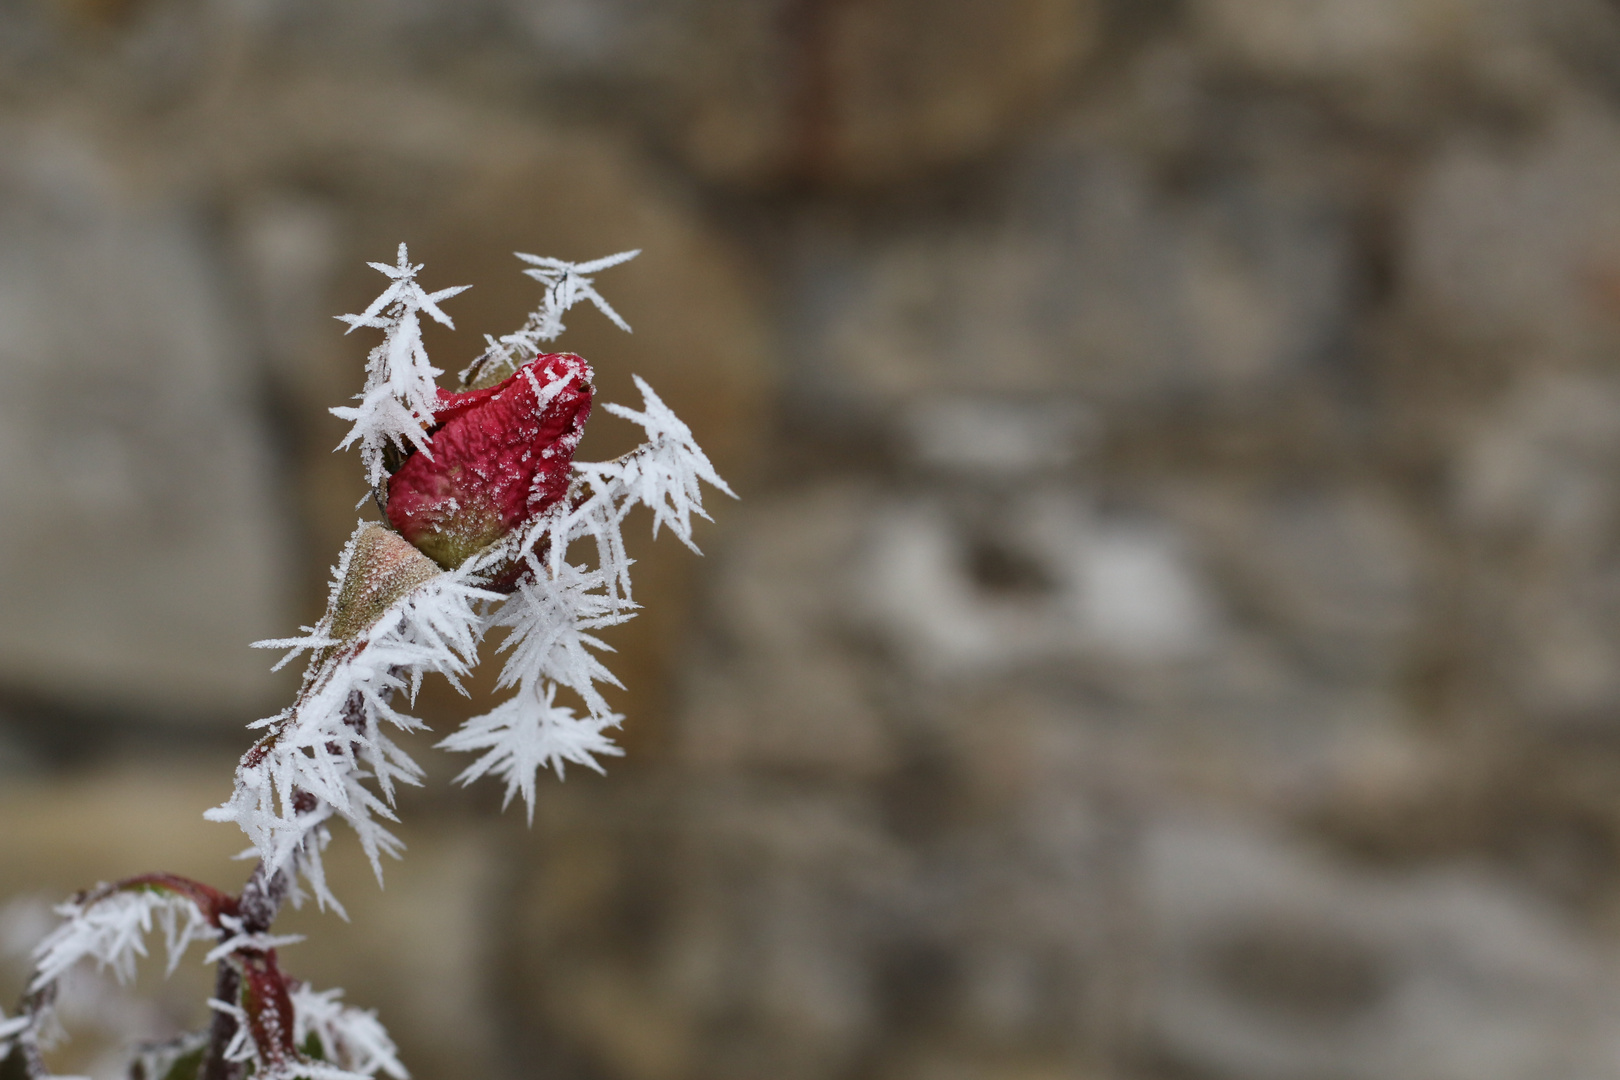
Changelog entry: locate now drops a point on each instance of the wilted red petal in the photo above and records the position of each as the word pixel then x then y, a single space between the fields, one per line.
pixel 499 459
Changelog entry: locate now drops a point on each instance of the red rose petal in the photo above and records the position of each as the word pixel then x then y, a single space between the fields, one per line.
pixel 499 459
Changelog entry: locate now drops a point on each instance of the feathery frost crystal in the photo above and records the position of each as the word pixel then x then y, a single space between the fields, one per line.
pixel 397 402
pixel 488 525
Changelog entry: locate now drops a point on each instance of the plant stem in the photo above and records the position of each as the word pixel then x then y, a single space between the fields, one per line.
pixel 260 901
pixel 257 907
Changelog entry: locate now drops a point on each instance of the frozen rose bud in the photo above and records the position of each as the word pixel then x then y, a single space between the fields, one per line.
pixel 501 456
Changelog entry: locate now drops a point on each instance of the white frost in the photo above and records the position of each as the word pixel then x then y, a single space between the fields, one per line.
pixel 112 931
pixel 558 602
pixel 10 1028
pixel 664 473
pixel 566 285
pixel 400 396
pixel 352 1038
pixel 321 753
pixel 526 734
pixel 242 939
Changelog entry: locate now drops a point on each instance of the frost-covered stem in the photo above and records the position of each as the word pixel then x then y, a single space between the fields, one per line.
pixel 260 901
pixel 227 987
pixel 27 1045
pixel 257 907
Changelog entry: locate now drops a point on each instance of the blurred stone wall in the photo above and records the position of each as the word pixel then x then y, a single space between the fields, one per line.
pixel 1170 628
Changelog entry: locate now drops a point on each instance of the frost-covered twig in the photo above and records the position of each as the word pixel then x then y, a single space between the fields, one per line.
pixel 257 907
pixel 566 285
pixel 393 617
pixel 266 1023
pixel 109 925
pixel 321 753
pixel 397 403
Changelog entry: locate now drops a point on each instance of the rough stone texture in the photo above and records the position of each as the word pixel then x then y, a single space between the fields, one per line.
pixel 866 91
pixel 1170 630
pixel 144 541
pixel 1273 964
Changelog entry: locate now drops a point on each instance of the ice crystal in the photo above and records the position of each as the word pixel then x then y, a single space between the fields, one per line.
pixel 241 938
pixel 240 1048
pixel 10 1028
pixel 549 617
pixel 397 403
pixel 112 929
pixel 524 735
pixel 664 474
pixel 553 608
pixel 313 764
pixel 566 284
pixel 352 1038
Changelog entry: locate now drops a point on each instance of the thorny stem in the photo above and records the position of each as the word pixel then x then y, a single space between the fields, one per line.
pixel 260 901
